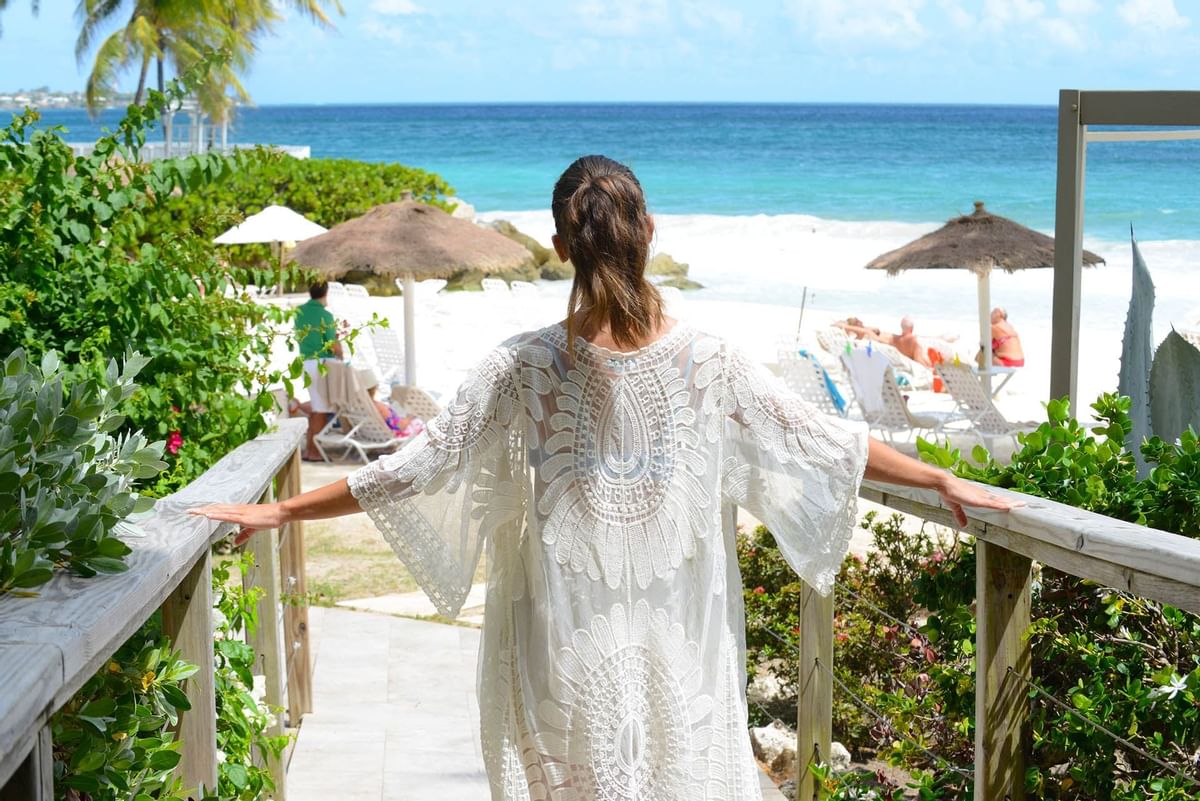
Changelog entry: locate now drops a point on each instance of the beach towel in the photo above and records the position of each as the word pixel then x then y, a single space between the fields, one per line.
pixel 867 367
pixel 834 394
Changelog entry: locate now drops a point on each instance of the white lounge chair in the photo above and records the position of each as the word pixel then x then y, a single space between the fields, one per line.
pixel 357 426
pixel 977 409
pixel 807 379
pixel 523 289
pixel 389 355
pixel 832 340
pixel 495 286
pixel 420 403
pixel 889 413
pixel 916 374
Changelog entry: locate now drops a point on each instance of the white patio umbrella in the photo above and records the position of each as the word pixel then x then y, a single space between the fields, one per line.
pixel 277 225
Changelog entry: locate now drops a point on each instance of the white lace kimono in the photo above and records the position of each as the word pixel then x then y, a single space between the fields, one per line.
pixel 612 661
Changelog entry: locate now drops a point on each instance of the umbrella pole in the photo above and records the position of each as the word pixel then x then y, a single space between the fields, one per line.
pixel 803 303
pixel 410 344
pixel 985 329
pixel 279 284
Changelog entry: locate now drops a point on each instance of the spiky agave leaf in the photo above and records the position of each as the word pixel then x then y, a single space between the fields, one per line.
pixel 1175 387
pixel 1137 350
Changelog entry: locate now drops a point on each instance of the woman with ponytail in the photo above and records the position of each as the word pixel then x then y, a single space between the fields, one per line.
pixel 599 462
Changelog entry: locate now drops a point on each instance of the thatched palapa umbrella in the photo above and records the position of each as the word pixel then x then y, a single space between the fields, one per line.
pixel 979 242
pixel 409 240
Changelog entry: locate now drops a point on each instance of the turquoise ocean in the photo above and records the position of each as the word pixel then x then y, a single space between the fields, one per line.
pixel 784 204
pixel 913 163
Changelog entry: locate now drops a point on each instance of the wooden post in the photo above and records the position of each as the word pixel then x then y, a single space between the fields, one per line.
pixel 1002 584
pixel 295 611
pixel 814 711
pixel 187 622
pixel 34 779
pixel 1068 248
pixel 268 638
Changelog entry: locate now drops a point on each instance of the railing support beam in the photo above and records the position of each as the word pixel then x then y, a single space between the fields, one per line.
pixel 34 779
pixel 1002 657
pixel 187 622
pixel 297 654
pixel 814 711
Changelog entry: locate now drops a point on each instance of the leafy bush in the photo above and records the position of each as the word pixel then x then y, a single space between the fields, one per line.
pixel 327 191
pixel 84 272
pixel 66 479
pixel 242 722
pixel 113 740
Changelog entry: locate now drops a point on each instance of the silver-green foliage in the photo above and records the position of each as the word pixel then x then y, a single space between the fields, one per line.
pixel 66 477
pixel 1175 388
pixel 1137 351
pixel 1164 391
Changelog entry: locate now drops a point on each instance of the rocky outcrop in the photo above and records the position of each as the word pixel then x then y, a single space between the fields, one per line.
pixel 775 747
pixel 665 271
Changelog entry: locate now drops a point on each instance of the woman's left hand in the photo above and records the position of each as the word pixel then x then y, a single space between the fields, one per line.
pixel 957 493
pixel 250 516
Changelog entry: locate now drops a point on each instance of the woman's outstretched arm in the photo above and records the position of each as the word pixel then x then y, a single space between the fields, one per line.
pixel 888 465
pixel 331 500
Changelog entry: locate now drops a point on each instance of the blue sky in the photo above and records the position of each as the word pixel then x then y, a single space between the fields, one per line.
pixel 984 51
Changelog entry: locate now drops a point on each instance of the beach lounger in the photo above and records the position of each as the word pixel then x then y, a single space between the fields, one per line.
pixel 357 425
pixel 885 409
pixel 915 374
pixel 807 378
pixel 523 289
pixel 985 421
pixel 417 401
pixel 389 355
pixel 832 340
pixel 495 286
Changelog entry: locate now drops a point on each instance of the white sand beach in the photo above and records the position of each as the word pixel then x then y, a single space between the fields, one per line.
pixel 756 270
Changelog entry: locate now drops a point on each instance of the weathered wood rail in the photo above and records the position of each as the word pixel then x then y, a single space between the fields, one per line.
pixel 1155 564
pixel 52 643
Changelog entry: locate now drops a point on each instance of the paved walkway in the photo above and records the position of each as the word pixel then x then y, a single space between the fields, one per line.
pixel 394 716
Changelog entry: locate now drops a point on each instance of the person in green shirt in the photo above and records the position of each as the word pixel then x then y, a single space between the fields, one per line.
pixel 316 331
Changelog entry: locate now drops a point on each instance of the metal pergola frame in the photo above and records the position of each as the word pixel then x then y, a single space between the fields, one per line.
pixel 1076 111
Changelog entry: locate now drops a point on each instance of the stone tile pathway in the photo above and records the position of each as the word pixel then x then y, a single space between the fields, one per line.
pixel 394 716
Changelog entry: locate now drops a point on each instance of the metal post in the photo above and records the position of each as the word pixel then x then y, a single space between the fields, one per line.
pixel 410 341
pixel 1068 247
pixel 985 329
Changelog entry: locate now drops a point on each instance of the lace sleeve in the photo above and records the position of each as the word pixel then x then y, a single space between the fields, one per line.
pixel 438 498
pixel 794 468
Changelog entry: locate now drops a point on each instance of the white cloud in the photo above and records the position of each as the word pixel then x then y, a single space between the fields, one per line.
pixel 1159 15
pixel 375 28
pixel 396 8
pixel 622 19
pixel 868 21
pixel 999 13
pixel 957 15
pixel 1063 33
pixel 1077 8
pixel 704 13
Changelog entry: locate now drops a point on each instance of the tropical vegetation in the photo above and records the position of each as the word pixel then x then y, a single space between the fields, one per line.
pixel 905 630
pixel 176 35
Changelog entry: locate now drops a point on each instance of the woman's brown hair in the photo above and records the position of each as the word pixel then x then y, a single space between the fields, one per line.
pixel 600 216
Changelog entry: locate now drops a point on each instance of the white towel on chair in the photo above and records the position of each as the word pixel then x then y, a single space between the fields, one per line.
pixel 867 369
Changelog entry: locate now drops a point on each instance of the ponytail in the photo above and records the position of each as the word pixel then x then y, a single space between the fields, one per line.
pixel 600 216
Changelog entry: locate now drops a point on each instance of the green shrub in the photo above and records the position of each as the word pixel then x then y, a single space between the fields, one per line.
pixel 66 477
pixel 327 191
pixel 242 722
pixel 113 740
pixel 85 273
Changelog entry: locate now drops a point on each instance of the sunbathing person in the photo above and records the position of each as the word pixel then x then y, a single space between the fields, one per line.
pixel 906 341
pixel 1006 343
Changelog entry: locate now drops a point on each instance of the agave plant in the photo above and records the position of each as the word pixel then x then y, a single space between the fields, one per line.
pixel 1164 389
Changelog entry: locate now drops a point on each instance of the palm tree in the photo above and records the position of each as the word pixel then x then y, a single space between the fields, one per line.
pixel 179 33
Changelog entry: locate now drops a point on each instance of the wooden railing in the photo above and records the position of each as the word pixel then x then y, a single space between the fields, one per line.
pixel 1154 564
pixel 52 643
